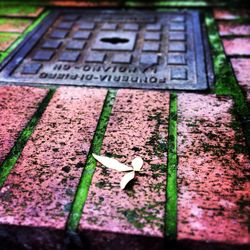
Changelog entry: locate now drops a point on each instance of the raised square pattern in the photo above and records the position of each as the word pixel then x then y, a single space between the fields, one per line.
pixel 112 48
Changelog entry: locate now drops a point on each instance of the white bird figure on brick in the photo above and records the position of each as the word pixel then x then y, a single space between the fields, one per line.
pixel 137 163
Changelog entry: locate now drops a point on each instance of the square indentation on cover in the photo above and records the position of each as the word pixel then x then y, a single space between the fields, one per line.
pixel 69 56
pixel 51 44
pixel 152 36
pixel 59 34
pixel 82 35
pixel 178 19
pixel 43 55
pixel 65 25
pixel 154 27
pixel 131 26
pixel 70 17
pixel 151 46
pixel 177 36
pixel 122 58
pixel 176 59
pixel 178 74
pixel 149 59
pixel 95 57
pixel 109 26
pixel 177 26
pixel 75 45
pixel 177 47
pixel 86 25
pixel 31 68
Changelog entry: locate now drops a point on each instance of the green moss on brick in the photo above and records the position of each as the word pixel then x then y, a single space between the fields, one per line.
pixel 171 190
pixel 226 83
pixel 21 37
pixel 156 141
pixel 87 175
pixel 139 217
pixel 15 22
pixel 17 10
pixel 15 152
pixel 166 3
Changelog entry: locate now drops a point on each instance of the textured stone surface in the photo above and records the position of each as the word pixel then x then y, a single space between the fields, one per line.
pixel 17 105
pixel 41 187
pixel 77 3
pixel 21 11
pixel 6 39
pixel 14 25
pixel 212 172
pixel 241 68
pixel 242 71
pixel 137 127
pixel 237 46
pixel 231 15
pixel 228 29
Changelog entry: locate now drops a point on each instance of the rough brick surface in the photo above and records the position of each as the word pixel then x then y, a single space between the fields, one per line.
pixel 17 105
pixel 20 11
pixel 212 172
pixel 228 29
pixel 14 25
pixel 137 127
pixel 41 187
pixel 77 3
pixel 242 71
pixel 237 46
pixel 231 15
pixel 6 39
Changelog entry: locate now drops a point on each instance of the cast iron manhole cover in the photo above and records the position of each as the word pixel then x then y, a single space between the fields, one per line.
pixel 131 49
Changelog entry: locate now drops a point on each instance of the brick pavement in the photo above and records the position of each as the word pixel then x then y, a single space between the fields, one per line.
pixel 211 171
pixel 138 126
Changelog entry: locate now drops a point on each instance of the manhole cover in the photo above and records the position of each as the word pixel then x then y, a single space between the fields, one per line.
pixel 131 49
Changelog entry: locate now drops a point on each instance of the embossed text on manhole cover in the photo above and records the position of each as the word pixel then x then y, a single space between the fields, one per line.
pixel 130 49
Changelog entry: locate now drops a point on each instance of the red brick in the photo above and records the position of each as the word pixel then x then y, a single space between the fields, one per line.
pixel 228 29
pixel 237 46
pixel 84 3
pixel 212 184
pixel 231 15
pixel 137 127
pixel 242 71
pixel 14 25
pixel 17 105
pixel 40 189
pixel 6 39
pixel 21 11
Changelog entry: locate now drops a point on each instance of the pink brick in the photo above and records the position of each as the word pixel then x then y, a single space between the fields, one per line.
pixel 237 46
pixel 20 11
pixel 41 187
pixel 14 25
pixel 228 29
pixel 242 71
pixel 6 40
pixel 137 127
pixel 241 68
pixel 212 184
pixel 77 3
pixel 231 15
pixel 17 105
